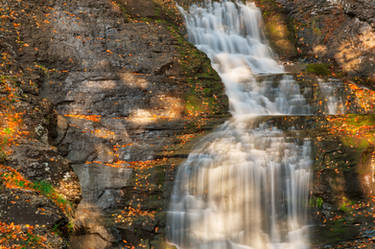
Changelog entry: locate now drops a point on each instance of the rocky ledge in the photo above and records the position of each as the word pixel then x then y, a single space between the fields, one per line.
pixel 337 32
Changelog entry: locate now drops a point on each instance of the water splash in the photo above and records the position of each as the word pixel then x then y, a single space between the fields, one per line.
pixel 333 100
pixel 246 185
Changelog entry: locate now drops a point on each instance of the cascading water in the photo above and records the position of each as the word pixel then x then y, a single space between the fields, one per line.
pixel 333 101
pixel 247 184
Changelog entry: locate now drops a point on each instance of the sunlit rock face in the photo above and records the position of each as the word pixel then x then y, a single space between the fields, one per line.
pixel 337 30
pixel 246 185
pixel 118 86
pixel 114 96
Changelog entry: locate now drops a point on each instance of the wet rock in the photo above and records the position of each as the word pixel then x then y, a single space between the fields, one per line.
pixel 61 128
pixel 79 151
pixel 339 31
pixel 137 152
pixel 28 207
pixel 144 9
pixel 365 173
pixel 369 234
pixel 105 154
pixel 91 229
pixel 96 178
pixel 109 198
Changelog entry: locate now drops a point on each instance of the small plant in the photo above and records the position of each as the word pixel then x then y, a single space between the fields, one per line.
pixel 3 155
pixel 7 131
pixel 13 179
pixel 316 202
pixel 43 187
pixel 346 205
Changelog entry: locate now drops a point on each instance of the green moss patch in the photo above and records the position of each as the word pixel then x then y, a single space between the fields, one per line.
pixel 205 94
pixel 318 69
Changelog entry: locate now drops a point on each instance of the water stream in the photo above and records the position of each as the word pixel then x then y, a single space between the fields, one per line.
pixel 246 184
pixel 333 101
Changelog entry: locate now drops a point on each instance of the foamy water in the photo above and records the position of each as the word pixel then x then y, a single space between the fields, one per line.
pixel 245 185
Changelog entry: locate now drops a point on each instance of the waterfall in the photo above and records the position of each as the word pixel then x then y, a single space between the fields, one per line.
pixel 333 101
pixel 246 184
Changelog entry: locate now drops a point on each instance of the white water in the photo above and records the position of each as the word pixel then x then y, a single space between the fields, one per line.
pixel 333 101
pixel 247 184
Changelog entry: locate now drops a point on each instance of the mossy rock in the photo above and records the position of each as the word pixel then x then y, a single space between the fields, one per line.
pixel 160 243
pixel 318 69
pixel 278 29
pixel 333 233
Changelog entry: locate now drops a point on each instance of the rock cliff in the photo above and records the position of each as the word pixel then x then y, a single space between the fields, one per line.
pixel 112 90
pixel 338 32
